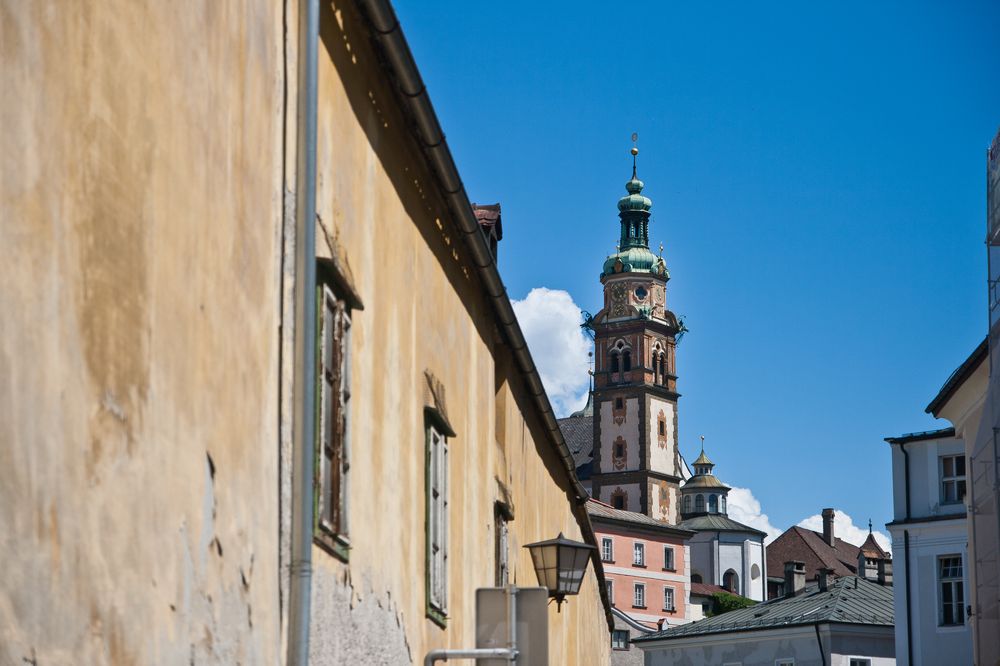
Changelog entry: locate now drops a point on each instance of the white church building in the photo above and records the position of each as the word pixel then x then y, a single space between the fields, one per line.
pixel 723 552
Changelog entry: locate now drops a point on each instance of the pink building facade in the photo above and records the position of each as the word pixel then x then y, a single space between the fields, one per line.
pixel 646 566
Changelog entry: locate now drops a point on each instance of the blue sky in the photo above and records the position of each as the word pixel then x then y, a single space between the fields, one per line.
pixel 817 174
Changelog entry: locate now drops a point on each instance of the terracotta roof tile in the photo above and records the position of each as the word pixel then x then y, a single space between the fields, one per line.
pixel 802 545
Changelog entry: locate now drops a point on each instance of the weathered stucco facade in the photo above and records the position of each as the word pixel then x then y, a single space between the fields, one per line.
pixel 140 209
pixel 147 205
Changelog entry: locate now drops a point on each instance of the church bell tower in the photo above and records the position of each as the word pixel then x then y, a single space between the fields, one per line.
pixel 637 465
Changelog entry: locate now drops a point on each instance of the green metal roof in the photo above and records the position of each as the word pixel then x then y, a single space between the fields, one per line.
pixel 704 481
pixel 848 600
pixel 716 522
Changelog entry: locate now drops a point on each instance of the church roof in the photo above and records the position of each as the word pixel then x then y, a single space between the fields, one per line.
pixel 848 600
pixel 871 549
pixel 578 431
pixel 717 522
pixel 601 511
pixel 703 459
pixel 704 481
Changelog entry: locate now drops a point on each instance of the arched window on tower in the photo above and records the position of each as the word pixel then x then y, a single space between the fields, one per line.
pixel 723 507
pixel 713 504
pixel 687 504
pixel 731 582
pixel 615 365
pixel 699 504
pixel 663 368
pixel 627 360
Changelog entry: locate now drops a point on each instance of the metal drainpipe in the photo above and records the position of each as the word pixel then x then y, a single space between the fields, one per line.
pixel 906 557
pixel 822 655
pixel 303 393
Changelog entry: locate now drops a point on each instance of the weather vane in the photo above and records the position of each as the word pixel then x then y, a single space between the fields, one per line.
pixel 702 443
pixel 661 250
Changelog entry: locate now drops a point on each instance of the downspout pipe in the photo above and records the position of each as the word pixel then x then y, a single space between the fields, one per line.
pixel 416 103
pixel 819 642
pixel 304 383
pixel 906 557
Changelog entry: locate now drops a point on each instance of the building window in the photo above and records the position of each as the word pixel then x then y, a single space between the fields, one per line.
pixel 639 554
pixel 627 360
pixel 860 661
pixel 699 504
pixel 619 639
pixel 952 479
pixel 610 585
pixel 334 396
pixel 696 578
pixel 713 504
pixel 687 504
pixel 663 427
pixel 614 362
pixel 618 499
pixel 639 601
pixel 668 599
pixel 731 582
pixel 722 503
pixel 668 558
pixel 502 515
pixel 607 549
pixel 437 523
pixel 619 404
pixel 951 609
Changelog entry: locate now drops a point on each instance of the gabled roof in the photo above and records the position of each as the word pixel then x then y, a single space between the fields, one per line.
pixel 871 549
pixel 802 545
pixel 957 377
pixel 848 600
pixel 599 511
pixel 716 522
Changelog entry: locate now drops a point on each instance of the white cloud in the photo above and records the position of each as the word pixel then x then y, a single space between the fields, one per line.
pixel 745 508
pixel 844 528
pixel 551 321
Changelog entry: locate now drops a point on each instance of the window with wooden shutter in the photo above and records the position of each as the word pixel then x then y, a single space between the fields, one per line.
pixel 333 402
pixel 437 524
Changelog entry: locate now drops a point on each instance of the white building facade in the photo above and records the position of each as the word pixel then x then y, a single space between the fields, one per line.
pixel 929 540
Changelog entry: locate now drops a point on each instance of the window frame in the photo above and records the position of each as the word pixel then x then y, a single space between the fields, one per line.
pixel 638 554
pixel 436 523
pixel 617 633
pixel 607 549
pixel 639 590
pixel 669 563
pixel 954 582
pixel 331 491
pixel 502 518
pixel 609 585
pixel 672 608
pixel 955 481
pixel 859 661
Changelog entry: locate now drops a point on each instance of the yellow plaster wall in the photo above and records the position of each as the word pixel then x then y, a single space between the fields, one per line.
pixel 425 312
pixel 140 190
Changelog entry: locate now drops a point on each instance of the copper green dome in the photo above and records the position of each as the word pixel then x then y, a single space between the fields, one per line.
pixel 633 259
pixel 634 200
pixel 703 459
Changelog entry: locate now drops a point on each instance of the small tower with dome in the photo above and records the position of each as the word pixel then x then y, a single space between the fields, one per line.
pixel 703 493
pixel 723 552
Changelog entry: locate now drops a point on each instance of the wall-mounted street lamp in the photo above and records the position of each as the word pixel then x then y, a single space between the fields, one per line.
pixel 560 564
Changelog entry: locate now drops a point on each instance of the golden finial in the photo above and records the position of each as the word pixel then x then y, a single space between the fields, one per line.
pixel 702 443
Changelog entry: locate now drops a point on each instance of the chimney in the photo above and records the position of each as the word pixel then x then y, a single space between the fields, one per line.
pixel 884 571
pixel 795 577
pixel 828 527
pixel 825 578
